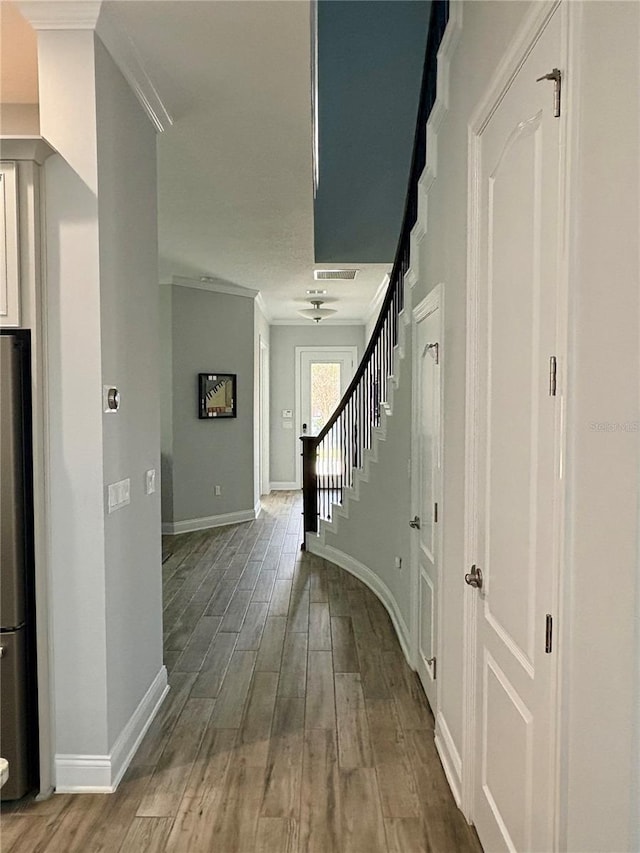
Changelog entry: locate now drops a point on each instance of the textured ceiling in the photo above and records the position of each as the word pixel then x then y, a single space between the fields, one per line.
pixel 235 169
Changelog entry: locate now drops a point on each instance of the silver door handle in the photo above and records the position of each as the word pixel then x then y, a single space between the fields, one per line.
pixel 415 522
pixel 1 651
pixel 474 577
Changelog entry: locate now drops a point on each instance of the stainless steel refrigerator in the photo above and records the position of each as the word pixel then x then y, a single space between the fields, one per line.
pixel 18 743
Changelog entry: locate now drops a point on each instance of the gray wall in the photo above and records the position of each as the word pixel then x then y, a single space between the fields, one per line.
pixel 101 313
pixel 166 401
pixel 285 444
pixel 211 332
pixel 129 349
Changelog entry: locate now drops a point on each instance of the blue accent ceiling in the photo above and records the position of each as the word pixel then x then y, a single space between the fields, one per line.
pixel 370 59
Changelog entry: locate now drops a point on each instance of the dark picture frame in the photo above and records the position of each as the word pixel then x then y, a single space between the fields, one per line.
pixel 216 396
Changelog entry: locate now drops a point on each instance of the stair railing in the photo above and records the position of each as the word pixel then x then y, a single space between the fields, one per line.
pixel 330 459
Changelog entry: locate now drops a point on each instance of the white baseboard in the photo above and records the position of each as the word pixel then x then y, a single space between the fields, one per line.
pixel 284 486
pixel 190 524
pixel 450 757
pixel 369 579
pixel 101 774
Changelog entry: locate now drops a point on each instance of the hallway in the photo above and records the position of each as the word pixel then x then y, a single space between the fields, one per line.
pixel 293 722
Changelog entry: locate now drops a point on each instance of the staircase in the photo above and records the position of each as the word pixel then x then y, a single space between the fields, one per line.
pixel 339 459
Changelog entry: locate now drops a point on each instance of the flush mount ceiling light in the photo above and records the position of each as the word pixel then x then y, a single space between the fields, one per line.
pixel 334 275
pixel 317 313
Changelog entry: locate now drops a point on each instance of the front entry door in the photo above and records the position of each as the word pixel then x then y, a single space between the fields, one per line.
pixel 517 153
pixel 324 373
pixel 427 452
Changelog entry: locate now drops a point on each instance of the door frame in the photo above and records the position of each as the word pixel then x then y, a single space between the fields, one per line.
pixel 521 45
pixel 432 302
pixel 263 397
pixel 299 351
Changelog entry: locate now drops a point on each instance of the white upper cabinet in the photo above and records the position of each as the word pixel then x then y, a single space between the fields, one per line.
pixel 9 251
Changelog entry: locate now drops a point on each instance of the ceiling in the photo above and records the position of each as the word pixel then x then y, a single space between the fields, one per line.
pixel 235 167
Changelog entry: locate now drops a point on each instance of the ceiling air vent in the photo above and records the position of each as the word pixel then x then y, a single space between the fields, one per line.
pixel 334 275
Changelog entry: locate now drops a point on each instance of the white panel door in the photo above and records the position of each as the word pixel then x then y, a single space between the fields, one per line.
pixel 427 453
pixel 517 458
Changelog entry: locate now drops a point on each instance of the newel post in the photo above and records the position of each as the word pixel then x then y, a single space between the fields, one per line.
pixel 309 484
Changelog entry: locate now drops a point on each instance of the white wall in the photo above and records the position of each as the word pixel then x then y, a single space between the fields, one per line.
pixel 212 332
pixel 601 649
pixel 600 620
pixel 285 443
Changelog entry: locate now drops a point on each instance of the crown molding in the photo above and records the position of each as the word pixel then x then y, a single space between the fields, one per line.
pixel 216 286
pixel 127 57
pixel 33 148
pixel 61 14
pixel 262 305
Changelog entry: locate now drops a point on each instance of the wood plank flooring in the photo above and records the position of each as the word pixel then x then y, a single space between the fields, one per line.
pixel 293 724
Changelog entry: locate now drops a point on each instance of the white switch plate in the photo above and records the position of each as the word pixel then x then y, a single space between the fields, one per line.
pixel 287 424
pixel 287 413
pixel 398 562
pixel 150 481
pixel 217 491
pixel 119 494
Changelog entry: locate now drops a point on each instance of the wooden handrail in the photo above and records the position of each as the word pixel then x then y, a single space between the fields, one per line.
pixel 364 394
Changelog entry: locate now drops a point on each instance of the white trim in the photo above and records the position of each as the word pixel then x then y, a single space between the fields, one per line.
pixel 127 57
pixel 284 486
pixel 56 15
pixel 216 286
pixel 32 148
pixel 328 322
pixel 262 305
pixel 449 756
pixel 370 580
pixel 170 528
pixel 433 301
pixel 101 774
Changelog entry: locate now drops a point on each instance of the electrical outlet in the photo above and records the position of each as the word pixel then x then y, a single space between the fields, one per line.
pixel 218 491
pixel 119 495
pixel 398 562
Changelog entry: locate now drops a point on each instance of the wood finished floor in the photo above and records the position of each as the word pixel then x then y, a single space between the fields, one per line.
pixel 293 724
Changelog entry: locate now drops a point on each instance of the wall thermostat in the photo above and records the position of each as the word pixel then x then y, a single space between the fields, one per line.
pixel 110 399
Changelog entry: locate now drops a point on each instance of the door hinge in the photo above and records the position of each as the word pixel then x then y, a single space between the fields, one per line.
pixel 548 635
pixel 431 662
pixel 435 513
pixel 434 349
pixel 553 370
pixel 556 76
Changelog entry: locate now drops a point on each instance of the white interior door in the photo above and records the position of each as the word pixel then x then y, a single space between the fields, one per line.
pixel 517 487
pixel 427 455
pixel 323 375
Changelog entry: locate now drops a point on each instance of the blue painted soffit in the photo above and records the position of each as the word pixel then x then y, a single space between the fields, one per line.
pixel 370 59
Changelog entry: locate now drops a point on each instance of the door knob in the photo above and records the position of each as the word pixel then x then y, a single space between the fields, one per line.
pixel 474 577
pixel 415 522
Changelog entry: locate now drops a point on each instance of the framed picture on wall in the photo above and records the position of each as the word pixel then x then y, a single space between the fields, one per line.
pixel 216 395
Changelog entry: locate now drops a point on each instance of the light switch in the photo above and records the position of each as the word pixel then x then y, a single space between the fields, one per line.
pixel 150 481
pixel 287 413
